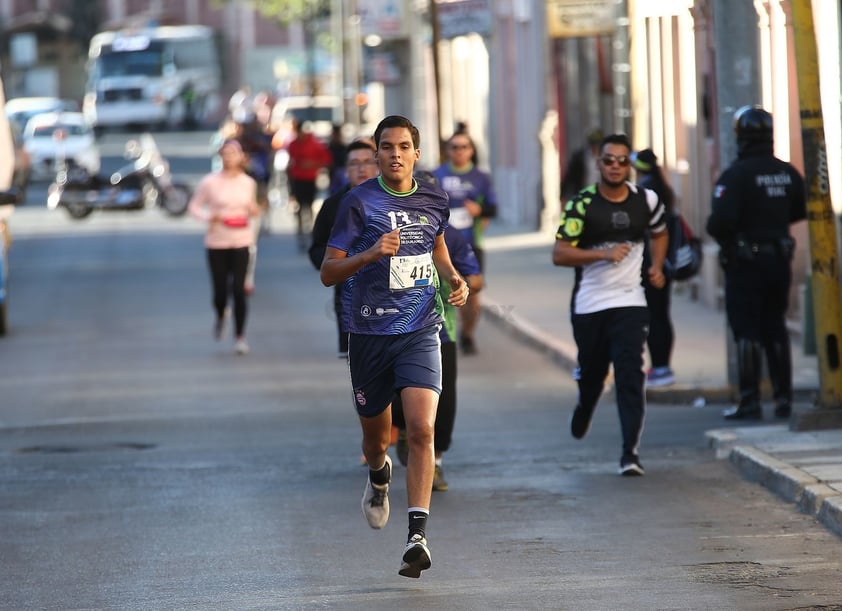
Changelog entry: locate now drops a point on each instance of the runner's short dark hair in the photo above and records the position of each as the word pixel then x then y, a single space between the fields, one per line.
pixel 397 121
pixel 622 139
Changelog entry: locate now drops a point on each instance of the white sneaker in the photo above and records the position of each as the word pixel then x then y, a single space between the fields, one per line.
pixel 241 347
pixel 416 557
pixel 375 501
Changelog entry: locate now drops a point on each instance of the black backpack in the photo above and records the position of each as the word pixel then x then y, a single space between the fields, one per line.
pixel 684 257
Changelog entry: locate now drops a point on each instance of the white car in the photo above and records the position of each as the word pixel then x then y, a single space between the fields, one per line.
pixel 320 111
pixel 52 137
pixel 20 110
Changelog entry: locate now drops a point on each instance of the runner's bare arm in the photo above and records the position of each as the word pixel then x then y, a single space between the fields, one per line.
pixel 566 254
pixel 337 266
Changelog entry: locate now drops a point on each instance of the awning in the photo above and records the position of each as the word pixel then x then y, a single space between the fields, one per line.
pixel 38 21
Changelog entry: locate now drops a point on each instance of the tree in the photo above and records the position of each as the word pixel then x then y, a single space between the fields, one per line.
pixel 288 11
pixel 309 13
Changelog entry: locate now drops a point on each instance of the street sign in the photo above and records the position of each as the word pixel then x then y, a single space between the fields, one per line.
pixel 386 18
pixel 463 17
pixel 574 18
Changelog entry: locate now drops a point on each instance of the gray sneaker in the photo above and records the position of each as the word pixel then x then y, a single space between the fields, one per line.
pixel 375 501
pixel 416 557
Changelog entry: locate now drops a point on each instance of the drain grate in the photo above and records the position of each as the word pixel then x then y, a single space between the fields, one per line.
pixel 73 449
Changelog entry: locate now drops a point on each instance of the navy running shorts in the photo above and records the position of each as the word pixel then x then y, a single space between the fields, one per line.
pixel 382 365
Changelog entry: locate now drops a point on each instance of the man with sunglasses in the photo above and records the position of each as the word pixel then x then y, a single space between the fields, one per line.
pixel 601 235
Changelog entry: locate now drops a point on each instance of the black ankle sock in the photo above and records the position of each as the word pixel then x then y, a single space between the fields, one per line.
pixel 417 522
pixel 381 476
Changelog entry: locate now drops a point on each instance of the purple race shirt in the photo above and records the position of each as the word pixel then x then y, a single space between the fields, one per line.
pixel 393 295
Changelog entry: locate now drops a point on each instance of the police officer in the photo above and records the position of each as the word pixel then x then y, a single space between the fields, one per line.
pixel 754 202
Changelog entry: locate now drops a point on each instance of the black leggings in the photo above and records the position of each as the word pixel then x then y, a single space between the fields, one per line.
pixel 228 273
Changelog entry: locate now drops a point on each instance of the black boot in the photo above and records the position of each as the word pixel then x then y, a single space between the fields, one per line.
pixel 779 357
pixel 748 366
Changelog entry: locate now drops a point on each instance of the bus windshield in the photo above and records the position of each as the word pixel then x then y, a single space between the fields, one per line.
pixel 156 76
pixel 148 62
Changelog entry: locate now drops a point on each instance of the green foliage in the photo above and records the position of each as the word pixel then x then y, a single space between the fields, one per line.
pixel 287 11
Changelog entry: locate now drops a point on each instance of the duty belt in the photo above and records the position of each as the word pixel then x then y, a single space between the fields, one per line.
pixel 783 246
pixel 762 248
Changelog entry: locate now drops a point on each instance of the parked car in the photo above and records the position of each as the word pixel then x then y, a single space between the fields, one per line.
pixel 23 164
pixel 320 111
pixel 20 110
pixel 52 137
pixel 7 200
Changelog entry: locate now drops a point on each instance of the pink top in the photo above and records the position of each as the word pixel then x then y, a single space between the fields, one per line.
pixel 226 202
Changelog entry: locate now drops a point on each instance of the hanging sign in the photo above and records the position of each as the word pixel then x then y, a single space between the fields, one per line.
pixel 574 18
pixel 386 18
pixel 461 17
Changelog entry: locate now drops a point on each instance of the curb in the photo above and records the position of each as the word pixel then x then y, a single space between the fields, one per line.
pixel 790 483
pixel 564 354
pixel 810 495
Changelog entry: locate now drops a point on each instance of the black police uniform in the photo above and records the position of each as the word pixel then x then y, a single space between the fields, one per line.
pixel 754 202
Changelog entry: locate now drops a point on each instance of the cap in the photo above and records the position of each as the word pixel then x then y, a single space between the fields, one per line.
pixel 645 160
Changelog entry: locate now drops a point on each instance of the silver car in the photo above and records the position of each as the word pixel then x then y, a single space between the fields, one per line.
pixel 57 137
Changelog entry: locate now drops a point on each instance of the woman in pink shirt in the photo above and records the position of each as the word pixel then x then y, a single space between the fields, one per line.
pixel 226 200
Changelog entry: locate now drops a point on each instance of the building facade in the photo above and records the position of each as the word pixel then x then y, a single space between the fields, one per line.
pixel 530 78
pixel 688 78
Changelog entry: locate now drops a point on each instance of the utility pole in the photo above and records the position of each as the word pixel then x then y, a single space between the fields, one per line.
pixel 737 84
pixel 821 223
pixel 434 22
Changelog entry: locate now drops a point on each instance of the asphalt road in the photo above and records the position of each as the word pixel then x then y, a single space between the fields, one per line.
pixel 145 466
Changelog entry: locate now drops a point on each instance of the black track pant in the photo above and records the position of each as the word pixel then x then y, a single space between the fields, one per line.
pixel 617 337
pixel 304 192
pixel 661 334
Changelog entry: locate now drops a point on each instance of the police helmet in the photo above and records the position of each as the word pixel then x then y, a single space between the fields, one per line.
pixel 753 124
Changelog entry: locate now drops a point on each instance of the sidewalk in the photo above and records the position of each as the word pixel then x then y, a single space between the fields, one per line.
pixel 529 297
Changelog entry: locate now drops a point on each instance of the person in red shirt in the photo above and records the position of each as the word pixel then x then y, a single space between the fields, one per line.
pixel 307 157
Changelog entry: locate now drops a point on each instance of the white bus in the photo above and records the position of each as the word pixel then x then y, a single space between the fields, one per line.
pixel 167 76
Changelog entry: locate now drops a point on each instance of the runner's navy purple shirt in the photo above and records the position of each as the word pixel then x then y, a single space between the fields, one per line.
pixel 366 213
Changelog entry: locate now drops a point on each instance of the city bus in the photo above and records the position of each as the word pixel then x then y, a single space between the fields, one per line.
pixel 165 76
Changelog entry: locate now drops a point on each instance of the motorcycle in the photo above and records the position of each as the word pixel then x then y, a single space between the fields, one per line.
pixel 8 199
pixel 144 182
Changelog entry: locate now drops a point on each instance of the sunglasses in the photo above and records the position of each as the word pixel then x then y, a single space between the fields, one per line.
pixel 609 160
